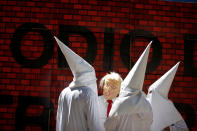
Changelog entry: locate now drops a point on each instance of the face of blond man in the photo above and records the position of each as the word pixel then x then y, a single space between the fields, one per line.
pixel 111 89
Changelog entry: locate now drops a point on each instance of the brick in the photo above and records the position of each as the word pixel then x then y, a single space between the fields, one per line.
pixel 122 70
pixel 179 52
pixel 162 13
pixel 167 8
pixel 15 8
pixel 92 13
pixel 20 87
pixel 7 127
pixel 11 122
pixel 125 10
pixel 179 41
pixel 166 56
pixel 112 25
pixel 6 19
pixel 65 1
pixel 111 14
pixel 184 10
pixel 106 8
pixel 157 29
pixel 177 78
pixel 60 77
pixel 5 81
pixel 167 29
pixel 152 12
pixel 178 89
pixel 111 3
pixel 34 94
pixel 91 24
pixel 30 4
pixel 45 83
pixel 188 79
pixel 98 19
pixel 3 122
pixel 68 16
pixel 170 24
pixel 141 22
pixel 3 109
pixel 14 93
pixel 10 87
pixel 179 14
pixel 6 69
pixel 30 76
pixel 115 20
pixel 3 2
pixel 50 5
pixel 140 6
pixel 188 26
pixel 35 71
pixel 87 7
pixel 159 18
pixel 92 2
pixel 11 75
pixel 148 7
pixel 25 82
pixel 77 6
pixel 124 31
pixel 166 19
pixel 20 14
pixel 35 10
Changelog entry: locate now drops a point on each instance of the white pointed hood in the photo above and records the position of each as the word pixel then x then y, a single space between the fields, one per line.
pixel 164 111
pixel 83 72
pixel 135 79
pixel 132 99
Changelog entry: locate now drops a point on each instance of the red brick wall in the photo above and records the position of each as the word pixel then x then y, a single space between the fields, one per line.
pixel 29 86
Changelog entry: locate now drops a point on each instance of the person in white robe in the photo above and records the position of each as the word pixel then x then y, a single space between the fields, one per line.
pixel 78 108
pixel 131 111
pixel 110 84
pixel 165 115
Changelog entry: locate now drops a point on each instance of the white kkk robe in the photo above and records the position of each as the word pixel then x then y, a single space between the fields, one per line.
pixel 133 122
pixel 78 104
pixel 165 113
pixel 131 111
pixel 135 118
pixel 78 110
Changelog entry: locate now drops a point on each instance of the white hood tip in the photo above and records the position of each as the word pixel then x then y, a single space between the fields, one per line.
pixel 135 78
pixel 132 99
pixel 162 107
pixel 82 71
pixel 163 84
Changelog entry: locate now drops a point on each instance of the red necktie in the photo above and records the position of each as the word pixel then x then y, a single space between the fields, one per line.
pixel 109 106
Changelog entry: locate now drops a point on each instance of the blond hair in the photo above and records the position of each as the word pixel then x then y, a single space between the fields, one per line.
pixel 111 77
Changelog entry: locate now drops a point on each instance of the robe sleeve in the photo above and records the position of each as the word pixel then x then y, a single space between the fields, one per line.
pixel 102 109
pixel 93 114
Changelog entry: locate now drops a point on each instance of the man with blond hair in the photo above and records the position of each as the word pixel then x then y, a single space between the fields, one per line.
pixel 110 83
